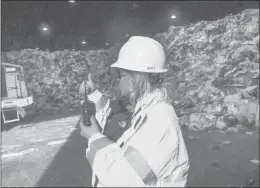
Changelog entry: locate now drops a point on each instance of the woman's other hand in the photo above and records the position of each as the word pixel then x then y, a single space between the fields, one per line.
pixel 90 87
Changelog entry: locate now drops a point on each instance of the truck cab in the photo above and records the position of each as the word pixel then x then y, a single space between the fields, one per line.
pixel 14 96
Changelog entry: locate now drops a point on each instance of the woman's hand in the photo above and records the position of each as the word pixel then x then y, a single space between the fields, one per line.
pixel 90 87
pixel 88 131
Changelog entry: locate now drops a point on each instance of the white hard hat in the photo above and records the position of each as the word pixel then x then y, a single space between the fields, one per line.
pixel 142 54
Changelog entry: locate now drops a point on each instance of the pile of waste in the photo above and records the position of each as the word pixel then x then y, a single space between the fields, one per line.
pixel 219 61
pixel 54 78
pixel 213 65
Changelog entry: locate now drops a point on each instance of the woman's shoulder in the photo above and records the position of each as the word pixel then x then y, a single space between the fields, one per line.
pixel 162 110
pixel 162 114
pixel 162 105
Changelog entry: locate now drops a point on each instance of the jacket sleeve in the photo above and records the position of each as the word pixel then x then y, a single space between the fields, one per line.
pixel 103 114
pixel 143 162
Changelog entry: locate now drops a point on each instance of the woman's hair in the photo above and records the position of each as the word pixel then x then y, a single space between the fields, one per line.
pixel 143 83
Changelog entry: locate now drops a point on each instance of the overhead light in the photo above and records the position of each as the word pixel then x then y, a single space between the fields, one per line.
pixel 72 1
pixel 173 17
pixel 83 42
pixel 45 29
pixel 107 44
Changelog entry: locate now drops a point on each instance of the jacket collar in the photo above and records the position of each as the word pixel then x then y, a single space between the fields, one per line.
pixel 148 99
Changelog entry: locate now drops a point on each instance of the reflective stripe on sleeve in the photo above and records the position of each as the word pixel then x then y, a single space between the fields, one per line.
pixel 95 146
pixel 139 109
pixel 140 165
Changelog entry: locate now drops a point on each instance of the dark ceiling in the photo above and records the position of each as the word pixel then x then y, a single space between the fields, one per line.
pixel 100 22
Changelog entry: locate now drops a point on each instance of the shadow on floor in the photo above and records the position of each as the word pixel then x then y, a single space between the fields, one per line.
pixel 217 168
pixel 69 168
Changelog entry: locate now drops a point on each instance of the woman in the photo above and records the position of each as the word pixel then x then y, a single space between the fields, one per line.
pixel 151 152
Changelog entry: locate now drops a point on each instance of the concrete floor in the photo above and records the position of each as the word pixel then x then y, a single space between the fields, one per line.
pixel 65 165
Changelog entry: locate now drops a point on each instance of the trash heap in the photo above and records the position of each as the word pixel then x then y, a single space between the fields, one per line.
pixel 219 61
pixel 54 78
pixel 213 65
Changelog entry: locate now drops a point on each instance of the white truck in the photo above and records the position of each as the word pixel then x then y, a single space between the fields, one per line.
pixel 14 96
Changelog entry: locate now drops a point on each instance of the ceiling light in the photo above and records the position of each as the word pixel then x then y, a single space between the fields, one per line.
pixel 173 17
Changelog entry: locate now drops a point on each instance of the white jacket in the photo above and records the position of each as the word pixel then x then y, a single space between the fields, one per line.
pixel 151 153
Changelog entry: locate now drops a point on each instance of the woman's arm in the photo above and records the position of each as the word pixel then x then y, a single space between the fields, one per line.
pixel 148 152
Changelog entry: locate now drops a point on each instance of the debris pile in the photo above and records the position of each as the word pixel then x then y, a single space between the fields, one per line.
pixel 214 66
pixel 219 61
pixel 54 78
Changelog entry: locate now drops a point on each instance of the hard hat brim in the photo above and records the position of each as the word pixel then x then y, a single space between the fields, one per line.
pixel 119 65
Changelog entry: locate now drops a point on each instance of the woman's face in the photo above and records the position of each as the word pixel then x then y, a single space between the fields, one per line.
pixel 124 84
